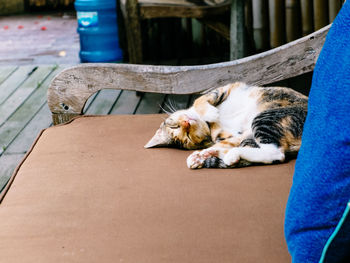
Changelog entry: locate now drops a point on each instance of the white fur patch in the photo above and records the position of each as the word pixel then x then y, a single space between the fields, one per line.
pixel 267 153
pixel 212 114
pixel 238 111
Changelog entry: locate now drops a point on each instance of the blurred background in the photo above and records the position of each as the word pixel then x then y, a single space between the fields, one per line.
pixel 167 40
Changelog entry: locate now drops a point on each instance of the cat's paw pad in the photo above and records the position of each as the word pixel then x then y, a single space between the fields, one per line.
pixel 197 159
pixel 232 157
pixel 212 114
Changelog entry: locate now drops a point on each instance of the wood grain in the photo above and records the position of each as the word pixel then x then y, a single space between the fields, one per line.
pixel 71 88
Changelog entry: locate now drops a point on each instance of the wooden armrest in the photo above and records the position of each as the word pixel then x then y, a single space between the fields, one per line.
pixel 71 88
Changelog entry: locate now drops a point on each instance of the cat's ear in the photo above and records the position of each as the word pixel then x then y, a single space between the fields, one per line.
pixel 161 138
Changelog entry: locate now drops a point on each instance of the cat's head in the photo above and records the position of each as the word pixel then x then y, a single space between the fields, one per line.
pixel 182 129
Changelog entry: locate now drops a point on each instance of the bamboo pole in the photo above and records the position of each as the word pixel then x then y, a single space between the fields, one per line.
pixel 260 24
pixel 248 16
pixel 277 22
pixel 307 17
pixel 320 13
pixel 334 7
pixel 237 37
pixel 293 28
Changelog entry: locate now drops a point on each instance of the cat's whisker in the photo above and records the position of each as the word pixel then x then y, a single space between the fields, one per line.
pixel 172 110
pixel 164 110
pixel 172 106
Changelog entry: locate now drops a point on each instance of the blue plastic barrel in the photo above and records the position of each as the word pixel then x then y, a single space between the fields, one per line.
pixel 98 30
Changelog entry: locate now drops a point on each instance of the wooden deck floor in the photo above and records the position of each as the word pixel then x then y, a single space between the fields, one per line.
pixel 39 39
pixel 24 111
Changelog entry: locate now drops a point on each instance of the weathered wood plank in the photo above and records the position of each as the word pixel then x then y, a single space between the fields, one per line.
pixel 25 138
pixel 23 92
pixel 127 103
pixel 22 115
pixel 5 72
pixel 103 102
pixel 71 88
pixel 8 163
pixel 14 81
pixel 150 103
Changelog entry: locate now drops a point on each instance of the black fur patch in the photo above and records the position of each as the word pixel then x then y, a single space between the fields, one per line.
pixel 249 142
pixel 267 125
pixel 214 162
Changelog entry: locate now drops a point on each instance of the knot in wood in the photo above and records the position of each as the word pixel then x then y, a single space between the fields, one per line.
pixel 64 106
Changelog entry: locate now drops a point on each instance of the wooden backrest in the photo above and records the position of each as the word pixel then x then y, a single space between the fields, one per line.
pixel 71 88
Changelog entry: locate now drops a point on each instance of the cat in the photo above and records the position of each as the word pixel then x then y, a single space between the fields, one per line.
pixel 237 125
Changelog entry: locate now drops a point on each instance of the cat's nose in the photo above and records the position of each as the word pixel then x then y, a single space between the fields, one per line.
pixel 186 124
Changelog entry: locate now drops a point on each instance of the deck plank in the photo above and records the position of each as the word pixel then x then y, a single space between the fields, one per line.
pixel 127 103
pixel 26 111
pixel 8 163
pixel 25 138
pixel 17 98
pixel 150 103
pixel 5 72
pixel 8 86
pixel 103 102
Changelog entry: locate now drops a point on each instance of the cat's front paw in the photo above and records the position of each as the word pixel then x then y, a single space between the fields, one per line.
pixel 232 157
pixel 198 159
pixel 212 114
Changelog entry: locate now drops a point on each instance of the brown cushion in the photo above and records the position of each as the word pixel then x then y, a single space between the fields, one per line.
pixel 89 192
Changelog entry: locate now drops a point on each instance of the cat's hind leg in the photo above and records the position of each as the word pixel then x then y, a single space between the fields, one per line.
pixel 263 153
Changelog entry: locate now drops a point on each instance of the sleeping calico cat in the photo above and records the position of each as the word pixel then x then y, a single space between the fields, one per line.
pixel 237 125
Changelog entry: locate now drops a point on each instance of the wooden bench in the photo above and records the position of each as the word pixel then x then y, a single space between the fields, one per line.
pixel 88 191
pixel 72 87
